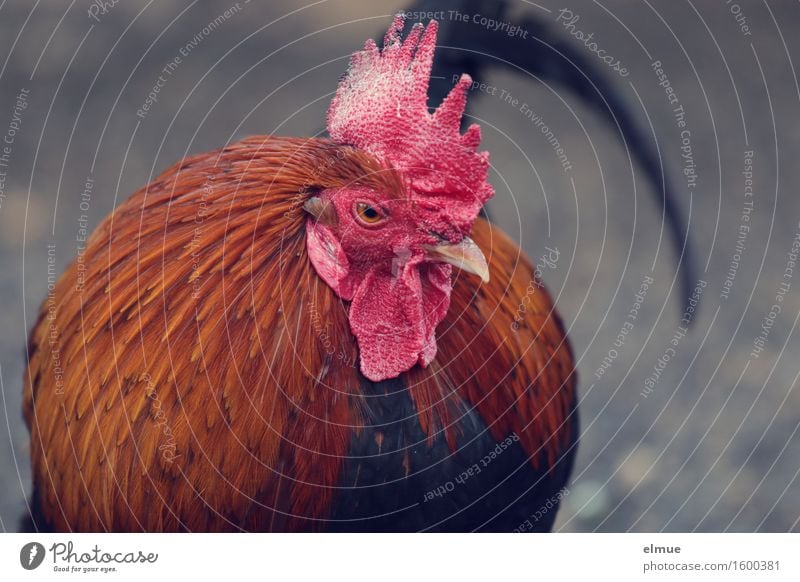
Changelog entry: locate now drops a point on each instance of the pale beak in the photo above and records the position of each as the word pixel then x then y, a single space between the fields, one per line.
pixel 323 211
pixel 466 255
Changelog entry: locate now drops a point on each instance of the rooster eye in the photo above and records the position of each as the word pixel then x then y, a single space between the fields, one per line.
pixel 367 213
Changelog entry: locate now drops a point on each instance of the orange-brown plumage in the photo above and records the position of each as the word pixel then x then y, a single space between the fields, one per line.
pixel 234 370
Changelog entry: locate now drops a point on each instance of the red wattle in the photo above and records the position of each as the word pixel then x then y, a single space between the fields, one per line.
pixel 393 315
pixel 394 318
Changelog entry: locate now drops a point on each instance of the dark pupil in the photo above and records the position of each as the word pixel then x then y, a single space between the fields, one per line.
pixel 370 213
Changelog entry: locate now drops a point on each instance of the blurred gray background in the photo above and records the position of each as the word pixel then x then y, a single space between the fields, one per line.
pixel 714 446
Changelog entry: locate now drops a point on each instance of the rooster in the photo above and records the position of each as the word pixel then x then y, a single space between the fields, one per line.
pixel 294 334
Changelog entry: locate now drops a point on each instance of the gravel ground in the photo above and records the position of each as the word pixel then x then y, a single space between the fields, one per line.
pixel 680 432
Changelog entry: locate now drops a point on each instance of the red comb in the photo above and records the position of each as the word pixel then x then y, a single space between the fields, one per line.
pixel 381 106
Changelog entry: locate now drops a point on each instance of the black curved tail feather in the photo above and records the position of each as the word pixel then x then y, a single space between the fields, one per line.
pixel 549 55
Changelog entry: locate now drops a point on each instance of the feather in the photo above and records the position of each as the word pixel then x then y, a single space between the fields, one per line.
pixel 198 391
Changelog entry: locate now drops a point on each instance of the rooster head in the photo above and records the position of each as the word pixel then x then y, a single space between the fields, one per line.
pixel 390 253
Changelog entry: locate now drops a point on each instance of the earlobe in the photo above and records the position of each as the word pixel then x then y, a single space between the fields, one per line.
pixel 329 259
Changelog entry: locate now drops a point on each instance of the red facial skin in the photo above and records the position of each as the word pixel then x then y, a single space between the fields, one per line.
pixel 398 295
